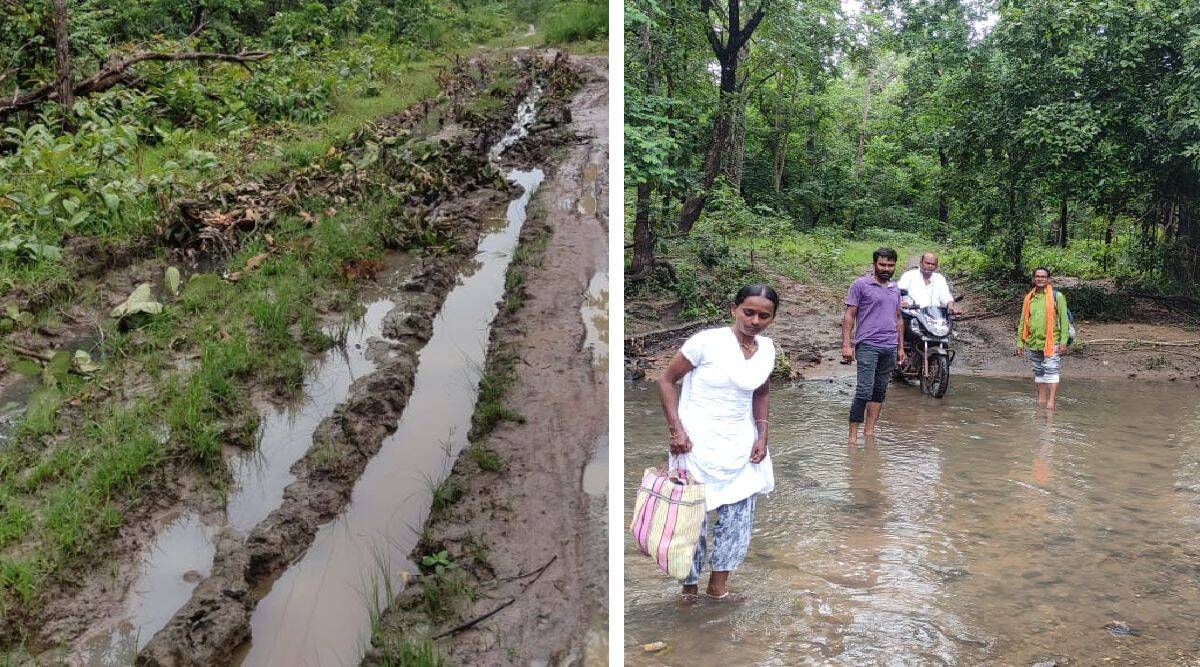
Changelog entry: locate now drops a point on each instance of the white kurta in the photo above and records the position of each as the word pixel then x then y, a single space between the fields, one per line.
pixel 715 408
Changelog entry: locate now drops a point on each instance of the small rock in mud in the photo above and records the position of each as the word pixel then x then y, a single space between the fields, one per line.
pixel 1121 629
pixel 192 576
pixel 654 647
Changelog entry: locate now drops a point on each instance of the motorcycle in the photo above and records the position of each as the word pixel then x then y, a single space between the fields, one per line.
pixel 927 349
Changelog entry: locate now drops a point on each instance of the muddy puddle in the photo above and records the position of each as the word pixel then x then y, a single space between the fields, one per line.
pixel 181 555
pixel 973 531
pixel 319 611
pixel 594 313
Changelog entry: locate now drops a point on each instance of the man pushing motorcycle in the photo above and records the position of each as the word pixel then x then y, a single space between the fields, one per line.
pixel 926 287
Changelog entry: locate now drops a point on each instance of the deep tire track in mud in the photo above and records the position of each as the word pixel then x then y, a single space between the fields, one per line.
pixel 542 534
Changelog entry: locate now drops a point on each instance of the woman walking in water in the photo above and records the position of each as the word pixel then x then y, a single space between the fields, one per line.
pixel 1042 334
pixel 718 428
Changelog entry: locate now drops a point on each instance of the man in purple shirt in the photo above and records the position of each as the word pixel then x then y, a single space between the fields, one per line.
pixel 873 317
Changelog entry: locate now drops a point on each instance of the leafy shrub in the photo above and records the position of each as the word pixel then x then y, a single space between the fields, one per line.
pixel 1096 303
pixel 575 22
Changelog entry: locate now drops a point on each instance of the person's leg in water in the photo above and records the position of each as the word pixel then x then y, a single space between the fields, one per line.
pixel 691 585
pixel 1037 359
pixel 1051 380
pixel 731 540
pixel 884 366
pixel 866 357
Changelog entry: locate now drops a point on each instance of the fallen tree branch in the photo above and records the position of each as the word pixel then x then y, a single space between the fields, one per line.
pixel 116 72
pixel 479 619
pixel 669 330
pixel 30 354
pixel 474 621
pixel 1165 343
pixel 538 571
pixel 1159 349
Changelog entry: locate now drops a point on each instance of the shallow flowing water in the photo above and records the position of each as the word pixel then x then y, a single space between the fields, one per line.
pixel 974 530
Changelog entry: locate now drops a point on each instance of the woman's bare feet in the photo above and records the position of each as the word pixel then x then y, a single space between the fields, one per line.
pixel 717 585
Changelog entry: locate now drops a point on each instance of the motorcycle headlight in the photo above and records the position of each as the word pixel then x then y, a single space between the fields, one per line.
pixel 939 328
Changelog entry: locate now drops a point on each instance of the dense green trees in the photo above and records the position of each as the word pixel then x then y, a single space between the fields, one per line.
pixel 1011 126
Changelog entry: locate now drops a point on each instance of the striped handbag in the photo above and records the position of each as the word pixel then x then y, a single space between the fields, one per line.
pixel 667 518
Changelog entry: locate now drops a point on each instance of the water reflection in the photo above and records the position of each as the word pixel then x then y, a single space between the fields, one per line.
pixel 973 530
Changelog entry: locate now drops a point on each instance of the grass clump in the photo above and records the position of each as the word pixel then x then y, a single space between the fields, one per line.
pixel 409 653
pixel 575 22
pixel 490 409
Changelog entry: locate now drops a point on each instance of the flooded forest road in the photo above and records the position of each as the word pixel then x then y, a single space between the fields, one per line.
pixel 975 530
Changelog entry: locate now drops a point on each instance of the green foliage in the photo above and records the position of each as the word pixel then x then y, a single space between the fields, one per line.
pixel 575 22
pixel 911 116
pixel 438 564
pixel 1090 302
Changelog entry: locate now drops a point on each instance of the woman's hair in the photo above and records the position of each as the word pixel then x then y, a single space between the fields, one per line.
pixel 757 289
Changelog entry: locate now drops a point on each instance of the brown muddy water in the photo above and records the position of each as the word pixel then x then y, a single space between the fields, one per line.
pixel 975 530
pixel 181 554
pixel 319 611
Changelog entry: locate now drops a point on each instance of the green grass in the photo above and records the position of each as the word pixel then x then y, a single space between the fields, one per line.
pixel 575 22
pixel 410 653
pixel 487 460
pixel 490 409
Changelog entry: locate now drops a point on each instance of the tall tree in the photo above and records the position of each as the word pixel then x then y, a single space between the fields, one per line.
pixel 727 37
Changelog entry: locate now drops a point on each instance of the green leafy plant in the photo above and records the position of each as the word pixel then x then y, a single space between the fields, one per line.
pixel 438 563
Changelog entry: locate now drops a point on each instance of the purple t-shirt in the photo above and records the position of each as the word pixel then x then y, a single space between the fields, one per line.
pixel 878 308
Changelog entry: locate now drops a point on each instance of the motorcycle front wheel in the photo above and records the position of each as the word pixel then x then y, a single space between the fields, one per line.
pixel 938 380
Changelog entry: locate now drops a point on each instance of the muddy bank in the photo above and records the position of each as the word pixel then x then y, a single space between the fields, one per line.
pixel 222 600
pixel 808 331
pixel 526 535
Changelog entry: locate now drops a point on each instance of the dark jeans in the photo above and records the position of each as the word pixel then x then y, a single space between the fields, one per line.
pixel 875 366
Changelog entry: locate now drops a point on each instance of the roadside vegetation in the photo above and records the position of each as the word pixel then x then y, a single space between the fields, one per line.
pixel 1007 137
pixel 285 155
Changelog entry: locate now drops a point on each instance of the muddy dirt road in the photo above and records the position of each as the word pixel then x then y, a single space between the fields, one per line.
pixel 321 478
pixel 531 536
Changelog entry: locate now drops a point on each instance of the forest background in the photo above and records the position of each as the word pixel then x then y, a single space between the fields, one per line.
pixel 765 138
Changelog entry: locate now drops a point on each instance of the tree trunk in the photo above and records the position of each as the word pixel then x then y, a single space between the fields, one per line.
pixel 1109 230
pixel 736 152
pixel 642 264
pixel 1017 233
pixel 783 134
pixel 63 86
pixel 943 199
pixel 693 204
pixel 862 130
pixel 1063 217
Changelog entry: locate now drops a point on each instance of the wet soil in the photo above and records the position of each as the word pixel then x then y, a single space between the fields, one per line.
pixel 215 620
pixel 540 520
pixel 808 332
